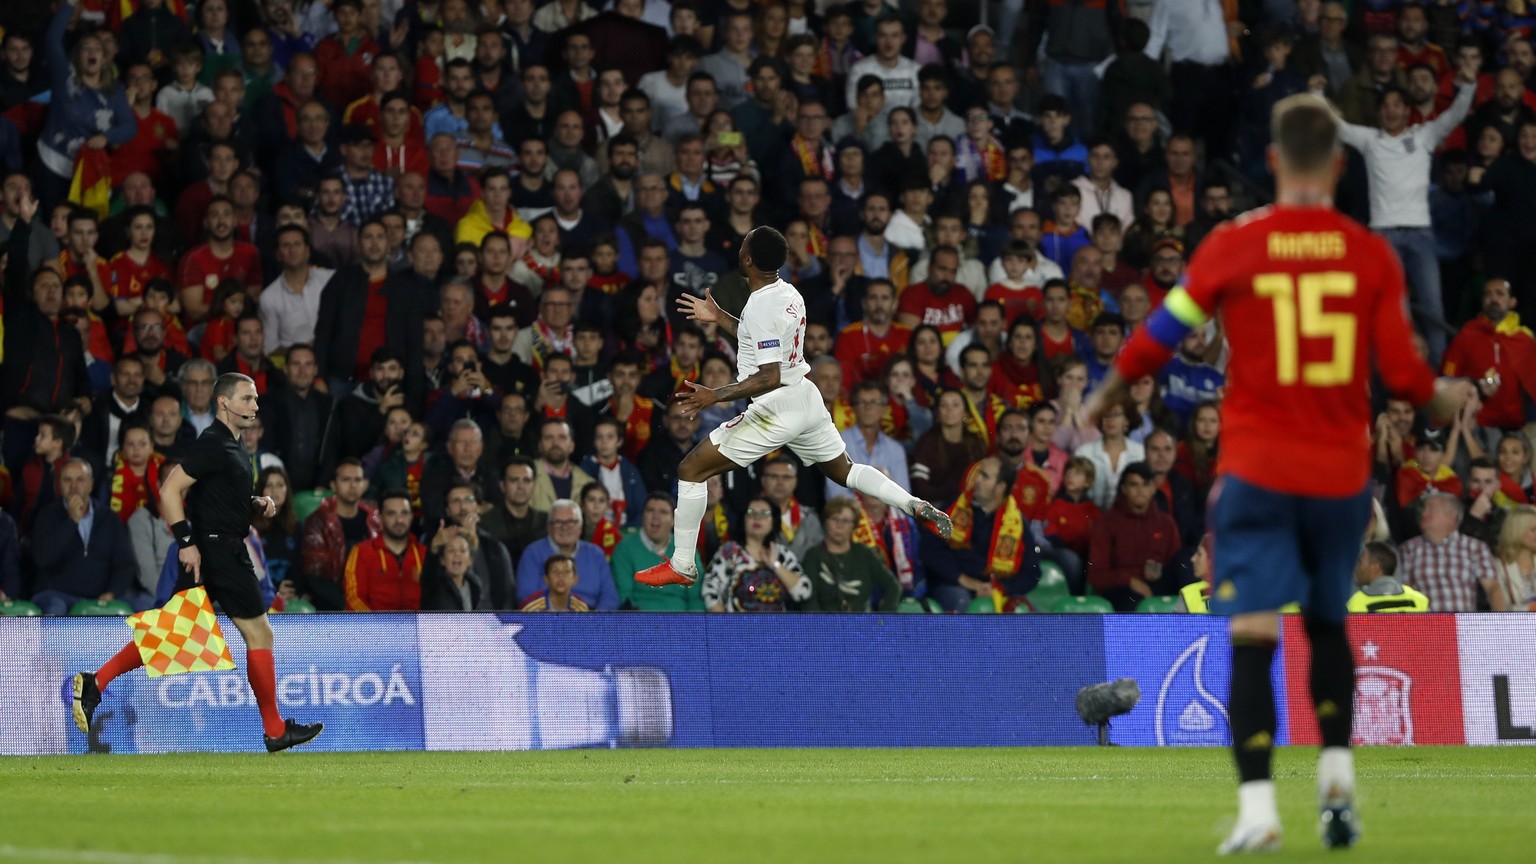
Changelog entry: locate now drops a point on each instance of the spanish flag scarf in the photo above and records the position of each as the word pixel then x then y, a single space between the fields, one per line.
pixel 1006 553
pixel 815 160
pixel 549 272
pixel 131 491
pixel 898 553
pixel 605 536
pixel 789 523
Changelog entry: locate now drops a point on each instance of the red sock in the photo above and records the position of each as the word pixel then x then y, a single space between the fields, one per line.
pixel 263 677
pixel 125 660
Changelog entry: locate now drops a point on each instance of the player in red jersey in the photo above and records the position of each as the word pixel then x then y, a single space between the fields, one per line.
pixel 1308 297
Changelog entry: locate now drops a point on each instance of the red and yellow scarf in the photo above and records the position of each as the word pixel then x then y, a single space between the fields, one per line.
pixel 842 414
pixel 983 421
pixel 547 342
pixel 991 159
pixel 131 491
pixel 1006 553
pixel 817 241
pixel 550 273
pixel 896 554
pixel 413 473
pixel 815 160
pixel 609 283
pixel 789 523
pixel 722 525
pixel 637 426
pixel 606 536
pixel 680 375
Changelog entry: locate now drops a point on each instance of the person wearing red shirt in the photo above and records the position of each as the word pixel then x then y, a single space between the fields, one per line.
pixel 1412 46
pixel 864 346
pixel 1163 271
pixel 401 147
pixel 345 57
pixel 1311 301
pixel 1071 515
pixel 1130 544
pixel 1426 473
pixel 383 573
pixel 1494 348
pixel 365 307
pixel 388 77
pixel 153 146
pixel 637 413
pixel 131 269
pixel 1016 373
pixel 192 206
pixel 222 257
pixel 940 301
pixel 1057 337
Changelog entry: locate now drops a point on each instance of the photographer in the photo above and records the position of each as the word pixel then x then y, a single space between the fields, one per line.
pixel 465 393
pixel 361 415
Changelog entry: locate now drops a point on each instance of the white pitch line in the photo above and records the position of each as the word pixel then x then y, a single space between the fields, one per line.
pixel 91 856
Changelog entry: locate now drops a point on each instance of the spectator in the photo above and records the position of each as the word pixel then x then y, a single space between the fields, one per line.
pixel 646 547
pixel 80 552
pixel 1448 566
pixel 597 526
pixel 618 475
pixel 341 522
pixel 88 109
pixel 281 540
pixel 383 573
pixel 1426 473
pixel 1514 458
pixel 1399 158
pixel 465 451
pixel 196 380
pixel 1112 453
pixel 36 479
pixel 867 443
pixel 151 540
pixel 222 257
pixel 1327 53
pixel 1197 452
pixel 945 451
pixel 492 564
pixel 556 476
pixel 290 305
pixel 1131 546
pixel 515 522
pixel 1380 590
pixel 1040 448
pixel 594 579
pixel 1190 380
pixel 1173 493
pixel 847 576
pixel 799 526
pixel 250 359
pixel 1495 347
pixel 344 57
pixel 1516 552
pixel 559 579
pixel 134 481
pixel 759 574
pixel 458 588
pixel 301 422
pixel 659 460
pixel 1069 520
pixel 466 393
pixel 1107 334
pixel 1485 516
pixel 990 549
pixel 365 307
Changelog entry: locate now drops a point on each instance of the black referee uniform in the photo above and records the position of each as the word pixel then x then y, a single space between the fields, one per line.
pixel 219 508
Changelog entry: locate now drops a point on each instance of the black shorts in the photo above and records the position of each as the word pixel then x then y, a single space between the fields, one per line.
pixel 228 576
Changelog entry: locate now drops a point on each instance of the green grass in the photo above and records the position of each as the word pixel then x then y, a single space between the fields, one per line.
pixel 680 806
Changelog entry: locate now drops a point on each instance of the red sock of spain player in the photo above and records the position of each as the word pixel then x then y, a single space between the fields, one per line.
pixel 263 678
pixel 125 660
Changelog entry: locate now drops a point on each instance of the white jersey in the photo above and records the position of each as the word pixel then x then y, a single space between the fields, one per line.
pixel 772 330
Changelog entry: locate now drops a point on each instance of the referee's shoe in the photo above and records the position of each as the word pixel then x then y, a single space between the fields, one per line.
pixel 87 697
pixel 294 734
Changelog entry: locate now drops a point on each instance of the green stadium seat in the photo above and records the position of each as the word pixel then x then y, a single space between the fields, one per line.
pixel 110 608
pixel 932 606
pixel 1086 605
pixel 981 606
pixel 911 606
pixel 307 502
pixel 1158 604
pixel 1051 575
pixel 1022 608
pixel 19 609
pixel 299 606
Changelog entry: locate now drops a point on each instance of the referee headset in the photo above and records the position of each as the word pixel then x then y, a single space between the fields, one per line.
pixel 228 408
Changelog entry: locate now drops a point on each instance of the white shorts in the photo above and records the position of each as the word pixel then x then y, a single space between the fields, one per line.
pixel 792 416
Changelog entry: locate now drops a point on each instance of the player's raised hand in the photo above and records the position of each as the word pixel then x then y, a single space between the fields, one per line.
pixel 695 399
pixel 267 505
pixel 1450 395
pixel 1112 391
pixel 702 309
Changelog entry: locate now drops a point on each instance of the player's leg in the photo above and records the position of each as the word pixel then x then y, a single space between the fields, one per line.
pixel 1258 571
pixel 1331 542
pixel 88 686
pixel 702 462
pixel 869 480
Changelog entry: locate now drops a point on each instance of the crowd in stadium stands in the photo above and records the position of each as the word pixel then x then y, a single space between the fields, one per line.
pixel 447 239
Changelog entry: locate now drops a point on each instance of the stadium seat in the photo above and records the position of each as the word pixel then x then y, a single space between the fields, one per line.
pixel 1051 575
pixel 1158 604
pixel 1088 605
pixel 981 606
pixel 307 502
pixel 102 608
pixel 19 609
pixel 299 606
pixel 911 606
pixel 1022 608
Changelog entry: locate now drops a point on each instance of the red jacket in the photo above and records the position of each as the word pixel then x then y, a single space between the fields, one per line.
pixel 344 77
pixel 378 580
pixel 1071 522
pixel 1123 542
pixel 1510 349
pixel 325 544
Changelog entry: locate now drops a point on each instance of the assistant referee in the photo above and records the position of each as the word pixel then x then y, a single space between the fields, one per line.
pixel 217 477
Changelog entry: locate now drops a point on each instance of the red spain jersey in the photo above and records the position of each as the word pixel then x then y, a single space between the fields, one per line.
pixel 129 276
pixel 1309 298
pixel 202 267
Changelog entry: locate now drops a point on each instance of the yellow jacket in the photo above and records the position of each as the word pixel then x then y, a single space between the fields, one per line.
pixel 477 223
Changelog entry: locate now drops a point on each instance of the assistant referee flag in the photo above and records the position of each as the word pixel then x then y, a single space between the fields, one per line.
pixel 181 636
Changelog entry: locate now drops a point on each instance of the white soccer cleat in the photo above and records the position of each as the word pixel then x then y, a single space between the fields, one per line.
pixel 1251 837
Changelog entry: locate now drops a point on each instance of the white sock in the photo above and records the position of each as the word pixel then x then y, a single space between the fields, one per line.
pixel 692 501
pixel 870 481
pixel 1256 802
pixel 1335 773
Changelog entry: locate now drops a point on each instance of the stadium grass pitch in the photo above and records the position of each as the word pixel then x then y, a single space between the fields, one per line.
pixel 682 806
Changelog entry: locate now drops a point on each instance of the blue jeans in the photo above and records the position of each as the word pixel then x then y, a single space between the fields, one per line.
pixel 1416 248
pixel 1076 83
pixel 56 602
pixel 950 596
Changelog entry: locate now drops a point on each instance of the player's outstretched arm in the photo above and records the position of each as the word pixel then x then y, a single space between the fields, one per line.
pixel 699 397
pixel 1450 395
pixel 1112 391
pixel 705 311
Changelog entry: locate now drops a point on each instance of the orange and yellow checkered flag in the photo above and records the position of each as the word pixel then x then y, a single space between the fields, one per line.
pixel 181 636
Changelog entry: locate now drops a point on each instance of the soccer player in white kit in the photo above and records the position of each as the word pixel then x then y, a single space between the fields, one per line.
pixel 786 408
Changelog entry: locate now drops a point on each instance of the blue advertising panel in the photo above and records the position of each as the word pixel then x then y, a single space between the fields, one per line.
pixel 1183 664
pixel 357 674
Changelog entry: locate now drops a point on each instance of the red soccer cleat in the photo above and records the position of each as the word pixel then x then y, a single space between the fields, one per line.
pixel 662 574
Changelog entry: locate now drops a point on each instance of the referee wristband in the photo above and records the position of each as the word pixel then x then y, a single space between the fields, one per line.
pixel 183 533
